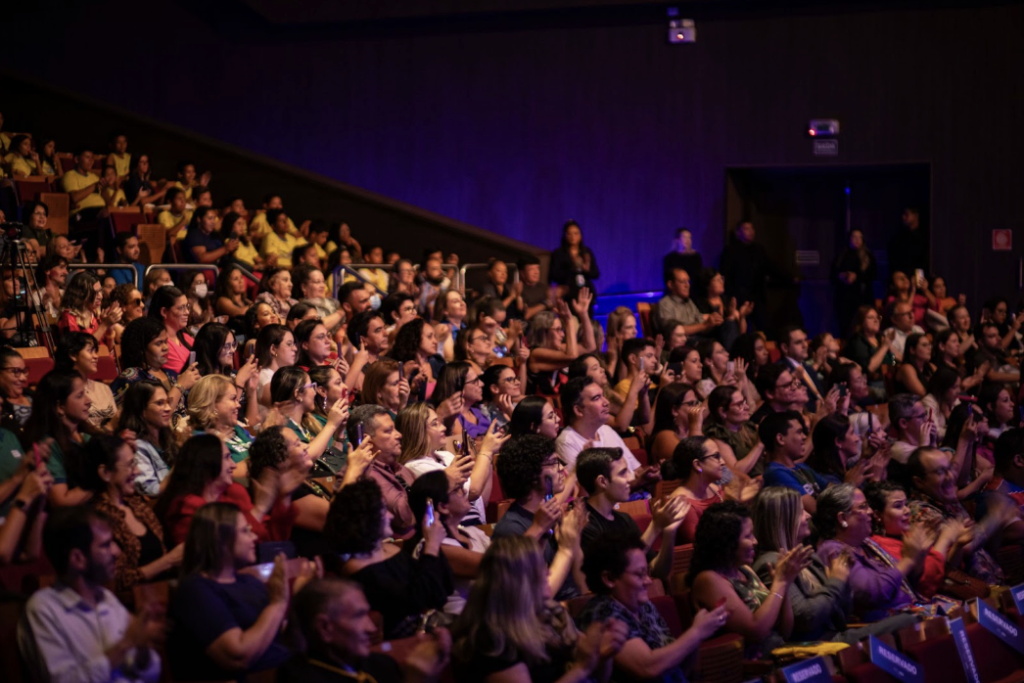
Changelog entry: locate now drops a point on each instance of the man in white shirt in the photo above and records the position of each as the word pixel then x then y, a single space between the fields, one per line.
pixel 903 327
pixel 586 411
pixel 77 630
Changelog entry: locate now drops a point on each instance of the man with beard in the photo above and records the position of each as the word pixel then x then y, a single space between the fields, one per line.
pixel 77 629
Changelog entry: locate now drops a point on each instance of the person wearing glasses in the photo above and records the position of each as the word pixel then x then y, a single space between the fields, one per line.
pixel 729 424
pixel 784 437
pixel 129 298
pixel 461 378
pixel 17 406
pixel 314 344
pixel 696 461
pixel 503 389
pixel 678 413
pixel 170 306
pixel 909 418
pixel 213 407
pixel 294 397
pixel 778 388
pixel 902 318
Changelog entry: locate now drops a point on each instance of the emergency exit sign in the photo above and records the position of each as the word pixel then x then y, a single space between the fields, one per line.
pixel 1002 240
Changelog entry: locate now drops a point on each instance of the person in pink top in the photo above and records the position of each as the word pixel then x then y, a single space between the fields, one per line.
pixel 170 306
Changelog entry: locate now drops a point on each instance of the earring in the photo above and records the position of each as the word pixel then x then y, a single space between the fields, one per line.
pixel 699 471
pixel 843 524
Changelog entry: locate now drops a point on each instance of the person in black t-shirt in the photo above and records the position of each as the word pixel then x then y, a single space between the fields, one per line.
pixel 605 476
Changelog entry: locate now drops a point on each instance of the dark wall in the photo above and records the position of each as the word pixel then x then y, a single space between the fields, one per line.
pixel 517 131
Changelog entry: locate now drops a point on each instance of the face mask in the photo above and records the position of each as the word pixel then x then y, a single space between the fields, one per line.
pixel 375 302
pixel 201 290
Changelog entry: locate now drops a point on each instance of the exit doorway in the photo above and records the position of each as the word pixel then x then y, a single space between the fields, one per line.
pixel 802 216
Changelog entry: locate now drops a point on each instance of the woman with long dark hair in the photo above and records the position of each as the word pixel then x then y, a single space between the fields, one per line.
pixel 417 341
pixel 853 275
pixel 231 299
pixel 293 397
pixel 170 307
pixel 203 474
pixel 144 351
pixel 314 344
pixel 914 373
pixel 459 378
pixel 724 550
pixel 147 412
pixel 678 413
pixel 867 347
pixel 59 419
pixel 275 349
pixel 573 265
pixel 535 415
pixel 52 276
pixel 110 475
pixel 226 622
pixel 79 352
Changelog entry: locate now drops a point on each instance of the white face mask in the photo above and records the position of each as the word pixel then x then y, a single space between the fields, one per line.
pixel 201 290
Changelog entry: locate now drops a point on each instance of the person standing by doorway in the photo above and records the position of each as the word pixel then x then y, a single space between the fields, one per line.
pixel 908 248
pixel 747 270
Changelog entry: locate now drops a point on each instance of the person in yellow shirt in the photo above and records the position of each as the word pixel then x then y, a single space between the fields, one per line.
pixel 318 231
pixel 5 139
pixel 112 194
pixel 176 218
pixel 119 156
pixel 377 276
pixel 233 227
pixel 84 186
pixel 278 244
pixel 260 228
pixel 187 178
pixel 23 160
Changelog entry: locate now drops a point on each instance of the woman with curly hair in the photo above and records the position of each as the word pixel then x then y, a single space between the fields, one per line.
pixel 729 425
pixel 617 573
pixel 511 629
pixel 460 379
pixel 276 290
pixel 280 450
pixel 147 412
pixel 400 582
pixel 724 550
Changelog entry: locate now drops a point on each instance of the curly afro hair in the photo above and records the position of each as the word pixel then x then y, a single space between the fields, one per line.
pixel 522 459
pixel 355 519
pixel 718 538
pixel 268 450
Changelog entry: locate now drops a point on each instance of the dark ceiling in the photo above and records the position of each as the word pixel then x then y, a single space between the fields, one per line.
pixel 269 20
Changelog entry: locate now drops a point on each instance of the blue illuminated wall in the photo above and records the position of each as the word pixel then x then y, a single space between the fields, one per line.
pixel 517 131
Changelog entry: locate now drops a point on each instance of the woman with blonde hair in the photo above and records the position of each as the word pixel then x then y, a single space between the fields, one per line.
pixel 423 440
pixel 213 407
pixel 512 630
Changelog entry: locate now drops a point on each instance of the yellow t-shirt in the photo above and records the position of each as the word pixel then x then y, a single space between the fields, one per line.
pixel 5 140
pixel 262 227
pixel 321 254
pixel 119 198
pixel 377 276
pixel 247 253
pixel 20 166
pixel 123 165
pixel 73 181
pixel 169 220
pixel 282 246
pixel 188 190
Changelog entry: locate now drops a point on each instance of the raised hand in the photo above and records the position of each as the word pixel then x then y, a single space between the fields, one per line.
pixel 459 470
pixel 277 584
pixel 668 514
pixel 792 563
pixel 569 531
pixel 706 623
pixel 839 567
pixel 547 515
pixel 339 413
pixel 189 377
pixel 493 440
pixel 360 459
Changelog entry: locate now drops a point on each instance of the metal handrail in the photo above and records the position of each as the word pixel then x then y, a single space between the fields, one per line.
pixel 462 272
pixel 245 273
pixel 351 269
pixel 107 266
pixel 183 266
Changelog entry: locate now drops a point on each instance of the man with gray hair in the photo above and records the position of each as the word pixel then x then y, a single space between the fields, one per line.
pixel 394 478
pixel 333 616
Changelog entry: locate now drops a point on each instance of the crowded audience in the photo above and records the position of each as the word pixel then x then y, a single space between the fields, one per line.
pixel 506 475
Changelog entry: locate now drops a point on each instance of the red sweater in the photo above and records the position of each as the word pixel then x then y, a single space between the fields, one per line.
pixel 934 566
pixel 276 527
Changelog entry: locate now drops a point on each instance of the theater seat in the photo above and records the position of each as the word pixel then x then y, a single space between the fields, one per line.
pixel 37 361
pixel 106 369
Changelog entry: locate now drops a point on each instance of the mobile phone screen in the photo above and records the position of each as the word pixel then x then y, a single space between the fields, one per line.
pixel 359 434
pixel 549 488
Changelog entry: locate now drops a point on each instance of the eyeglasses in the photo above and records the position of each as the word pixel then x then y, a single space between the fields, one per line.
pixel 739 403
pixel 135 302
pixel 511 380
pixel 321 337
pixel 181 309
pixel 556 463
pixel 478 380
pixel 795 384
pixel 230 346
pixel 691 404
pixel 17 372
pixel 716 456
pixel 311 385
